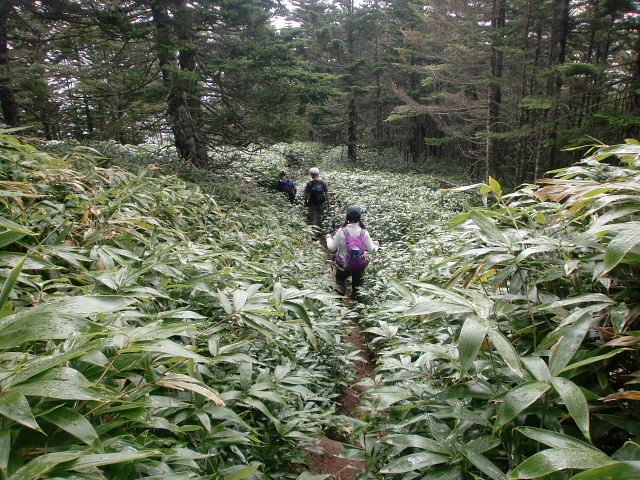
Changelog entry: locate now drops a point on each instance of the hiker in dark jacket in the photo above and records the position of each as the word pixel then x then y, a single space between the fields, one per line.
pixel 351 235
pixel 287 186
pixel 316 196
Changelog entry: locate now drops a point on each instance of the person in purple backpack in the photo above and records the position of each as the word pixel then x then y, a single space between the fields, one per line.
pixel 351 243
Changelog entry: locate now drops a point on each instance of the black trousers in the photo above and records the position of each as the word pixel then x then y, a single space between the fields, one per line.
pixel 341 279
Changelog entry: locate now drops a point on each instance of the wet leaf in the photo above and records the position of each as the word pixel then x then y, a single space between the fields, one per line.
pixel 472 335
pixel 43 464
pixel 569 344
pixel 554 459
pixel 415 461
pixel 76 424
pixel 15 406
pixel 519 398
pixel 575 402
pixel 615 471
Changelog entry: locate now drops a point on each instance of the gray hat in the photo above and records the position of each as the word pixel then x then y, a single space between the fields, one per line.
pixel 314 171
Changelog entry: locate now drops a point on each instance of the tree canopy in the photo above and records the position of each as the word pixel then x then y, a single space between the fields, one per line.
pixel 502 87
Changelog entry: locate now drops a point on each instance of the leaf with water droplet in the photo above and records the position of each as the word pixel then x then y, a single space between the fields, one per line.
pixel 415 461
pixel 76 424
pixel 14 405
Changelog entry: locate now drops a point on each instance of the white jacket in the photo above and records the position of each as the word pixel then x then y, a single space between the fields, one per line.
pixel 338 243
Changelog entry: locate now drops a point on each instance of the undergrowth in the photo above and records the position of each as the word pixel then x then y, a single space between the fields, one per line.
pixel 157 327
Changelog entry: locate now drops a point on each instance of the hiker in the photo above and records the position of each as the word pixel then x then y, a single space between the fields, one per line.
pixel 287 186
pixel 316 195
pixel 351 243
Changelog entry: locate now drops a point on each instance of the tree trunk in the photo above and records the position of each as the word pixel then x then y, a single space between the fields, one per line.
pixel 493 160
pixel 352 138
pixel 557 54
pixel 10 106
pixel 179 75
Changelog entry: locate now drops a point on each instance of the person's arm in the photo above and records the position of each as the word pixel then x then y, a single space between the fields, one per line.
pixel 295 189
pixel 307 191
pixel 326 193
pixel 333 242
pixel 369 244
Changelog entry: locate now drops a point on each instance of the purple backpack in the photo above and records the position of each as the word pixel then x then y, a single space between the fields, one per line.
pixel 356 260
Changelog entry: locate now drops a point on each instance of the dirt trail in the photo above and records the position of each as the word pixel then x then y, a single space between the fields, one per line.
pixel 327 462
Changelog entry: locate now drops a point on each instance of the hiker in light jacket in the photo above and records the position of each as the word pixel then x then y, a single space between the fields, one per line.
pixel 341 245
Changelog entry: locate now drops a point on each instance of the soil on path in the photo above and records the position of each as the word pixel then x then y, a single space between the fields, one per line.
pixel 327 462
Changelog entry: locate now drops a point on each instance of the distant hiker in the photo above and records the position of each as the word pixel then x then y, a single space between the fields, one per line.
pixel 287 186
pixel 316 195
pixel 351 243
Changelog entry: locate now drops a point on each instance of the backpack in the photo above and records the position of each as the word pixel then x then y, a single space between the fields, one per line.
pixel 288 189
pixel 356 260
pixel 316 195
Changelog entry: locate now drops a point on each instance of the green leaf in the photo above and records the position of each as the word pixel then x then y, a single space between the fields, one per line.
pixel 415 441
pixel 415 461
pixel 97 460
pixel 76 424
pixel 472 335
pixel 305 475
pixel 243 472
pixel 226 304
pixel 402 290
pixel 223 413
pixel 556 459
pixel 555 439
pixel 483 464
pixel 435 306
pixel 589 360
pixel 570 343
pixel 619 317
pixel 240 298
pixel 8 237
pixel 15 406
pixel 519 398
pixel 5 448
pixel 506 351
pixel 488 228
pixel 166 347
pixel 537 367
pixel 575 402
pixel 59 319
pixel 14 227
pixel 44 362
pixel 299 310
pixel 43 464
pixel 618 248
pixel 386 395
pixel 615 471
pixel 60 389
pixel 31 263
pixel 11 280
pixel 495 187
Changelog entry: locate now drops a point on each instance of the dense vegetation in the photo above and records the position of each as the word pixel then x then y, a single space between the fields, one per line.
pixel 499 88
pixel 157 328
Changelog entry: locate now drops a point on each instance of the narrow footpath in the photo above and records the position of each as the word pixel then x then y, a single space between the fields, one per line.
pixel 327 462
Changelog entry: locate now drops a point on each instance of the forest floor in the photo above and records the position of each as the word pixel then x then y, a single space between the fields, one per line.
pixel 327 462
